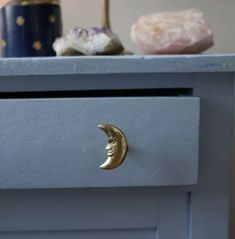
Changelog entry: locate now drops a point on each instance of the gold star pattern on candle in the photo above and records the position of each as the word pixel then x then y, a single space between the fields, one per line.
pixel 2 43
pixel 51 18
pixel 20 21
pixel 37 45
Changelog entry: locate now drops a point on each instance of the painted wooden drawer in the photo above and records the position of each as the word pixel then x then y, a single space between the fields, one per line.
pixel 55 143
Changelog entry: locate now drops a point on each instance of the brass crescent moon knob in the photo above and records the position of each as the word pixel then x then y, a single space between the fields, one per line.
pixel 117 146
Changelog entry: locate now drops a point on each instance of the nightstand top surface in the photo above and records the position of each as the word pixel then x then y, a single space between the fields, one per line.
pixel 117 65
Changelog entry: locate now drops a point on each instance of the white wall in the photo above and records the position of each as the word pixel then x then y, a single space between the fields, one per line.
pixel 219 13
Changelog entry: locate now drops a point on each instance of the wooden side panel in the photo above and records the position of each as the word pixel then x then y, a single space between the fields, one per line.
pixel 232 210
pixel 210 197
pixel 210 216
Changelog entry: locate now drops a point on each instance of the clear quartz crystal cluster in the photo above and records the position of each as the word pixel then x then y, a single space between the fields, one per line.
pixel 93 41
pixel 178 32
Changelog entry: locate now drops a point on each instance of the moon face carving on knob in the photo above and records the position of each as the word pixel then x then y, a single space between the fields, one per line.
pixel 116 148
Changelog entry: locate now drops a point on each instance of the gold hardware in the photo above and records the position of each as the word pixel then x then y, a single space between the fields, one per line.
pixel 20 21
pixel 37 45
pixel 51 18
pixel 117 146
pixel 2 43
pixel 105 14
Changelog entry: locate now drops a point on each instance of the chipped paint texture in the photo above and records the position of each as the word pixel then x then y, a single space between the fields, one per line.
pixel 117 65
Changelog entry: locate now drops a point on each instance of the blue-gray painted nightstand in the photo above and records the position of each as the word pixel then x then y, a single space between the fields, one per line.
pixel 173 118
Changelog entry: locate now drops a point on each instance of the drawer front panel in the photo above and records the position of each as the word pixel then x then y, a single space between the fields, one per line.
pixel 55 143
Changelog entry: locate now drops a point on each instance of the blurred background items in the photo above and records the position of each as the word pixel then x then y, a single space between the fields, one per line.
pixel 29 27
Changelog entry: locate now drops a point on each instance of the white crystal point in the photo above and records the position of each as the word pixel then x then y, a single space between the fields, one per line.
pixel 93 41
pixel 178 32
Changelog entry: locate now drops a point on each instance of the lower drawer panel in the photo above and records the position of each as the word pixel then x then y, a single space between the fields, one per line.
pixel 99 234
pixel 55 143
pixel 94 213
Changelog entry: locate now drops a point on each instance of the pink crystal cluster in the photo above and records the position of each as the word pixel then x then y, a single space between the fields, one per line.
pixel 178 32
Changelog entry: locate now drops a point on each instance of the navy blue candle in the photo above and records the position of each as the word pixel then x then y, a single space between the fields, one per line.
pixel 29 28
